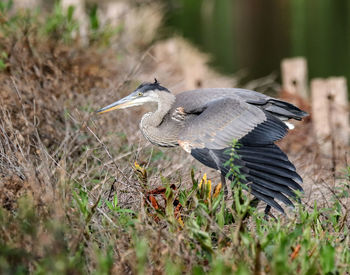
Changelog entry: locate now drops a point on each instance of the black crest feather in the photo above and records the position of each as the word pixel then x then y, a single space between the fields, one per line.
pixel 145 87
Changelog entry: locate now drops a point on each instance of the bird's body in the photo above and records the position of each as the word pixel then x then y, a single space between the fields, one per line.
pixel 205 122
pixel 177 113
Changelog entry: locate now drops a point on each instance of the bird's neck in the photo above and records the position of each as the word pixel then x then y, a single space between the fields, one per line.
pixel 154 119
pixel 151 124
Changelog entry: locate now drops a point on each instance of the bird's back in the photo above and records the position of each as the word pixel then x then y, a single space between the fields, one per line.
pixel 197 99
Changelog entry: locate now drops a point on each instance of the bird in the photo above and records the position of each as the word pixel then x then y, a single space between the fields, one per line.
pixel 205 122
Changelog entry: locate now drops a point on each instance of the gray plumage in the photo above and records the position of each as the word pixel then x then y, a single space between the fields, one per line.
pixel 204 123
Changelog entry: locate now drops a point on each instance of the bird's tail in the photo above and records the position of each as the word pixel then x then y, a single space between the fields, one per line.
pixel 284 110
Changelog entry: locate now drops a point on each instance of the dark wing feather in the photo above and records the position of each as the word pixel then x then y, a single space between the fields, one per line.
pixel 276 179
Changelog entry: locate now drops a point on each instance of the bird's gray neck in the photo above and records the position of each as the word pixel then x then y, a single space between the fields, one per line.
pixel 154 119
pixel 150 123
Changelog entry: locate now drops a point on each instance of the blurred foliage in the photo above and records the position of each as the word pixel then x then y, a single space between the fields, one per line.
pixel 101 34
pixel 58 25
pixel 245 35
pixel 61 24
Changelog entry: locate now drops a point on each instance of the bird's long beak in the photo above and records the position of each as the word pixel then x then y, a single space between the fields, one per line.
pixel 120 104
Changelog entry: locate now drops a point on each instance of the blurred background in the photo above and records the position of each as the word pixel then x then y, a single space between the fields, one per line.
pixel 252 36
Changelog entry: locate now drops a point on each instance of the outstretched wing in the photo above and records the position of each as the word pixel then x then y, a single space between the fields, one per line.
pixel 216 124
pixel 210 131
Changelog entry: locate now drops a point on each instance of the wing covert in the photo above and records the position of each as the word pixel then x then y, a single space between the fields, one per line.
pixel 225 119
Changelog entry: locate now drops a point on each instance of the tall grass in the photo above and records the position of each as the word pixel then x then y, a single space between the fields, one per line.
pixel 96 234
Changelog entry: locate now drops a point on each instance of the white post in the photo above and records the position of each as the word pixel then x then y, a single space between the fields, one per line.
pixel 294 76
pixel 330 115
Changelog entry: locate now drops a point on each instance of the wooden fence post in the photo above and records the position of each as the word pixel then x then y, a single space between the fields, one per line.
pixel 330 115
pixel 294 76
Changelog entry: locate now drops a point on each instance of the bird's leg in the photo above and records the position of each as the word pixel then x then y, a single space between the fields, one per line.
pixel 267 210
pixel 267 213
pixel 254 202
pixel 112 189
pixel 223 181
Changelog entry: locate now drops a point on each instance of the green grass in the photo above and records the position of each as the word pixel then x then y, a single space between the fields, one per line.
pixel 206 239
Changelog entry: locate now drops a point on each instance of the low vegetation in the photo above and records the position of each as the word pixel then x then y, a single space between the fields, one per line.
pixel 85 195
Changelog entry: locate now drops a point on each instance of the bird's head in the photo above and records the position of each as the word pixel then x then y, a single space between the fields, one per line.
pixel 146 92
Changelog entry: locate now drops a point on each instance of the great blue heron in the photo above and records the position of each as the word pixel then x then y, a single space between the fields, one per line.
pixel 204 123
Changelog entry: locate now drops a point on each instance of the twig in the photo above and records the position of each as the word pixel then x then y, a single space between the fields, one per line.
pixel 16 88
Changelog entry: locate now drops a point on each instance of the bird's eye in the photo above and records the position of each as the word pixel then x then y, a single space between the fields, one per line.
pixel 140 94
